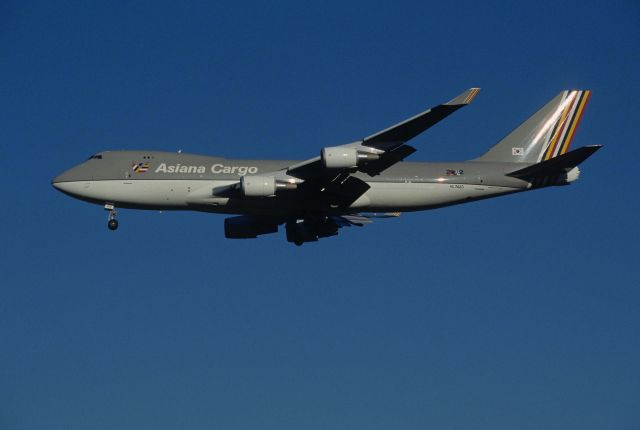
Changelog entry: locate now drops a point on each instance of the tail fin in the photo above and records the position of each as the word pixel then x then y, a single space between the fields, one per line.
pixel 546 134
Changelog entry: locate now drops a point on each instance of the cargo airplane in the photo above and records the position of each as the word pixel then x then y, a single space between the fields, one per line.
pixel 346 185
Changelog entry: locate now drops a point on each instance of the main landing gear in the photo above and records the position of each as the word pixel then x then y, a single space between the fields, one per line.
pixel 112 224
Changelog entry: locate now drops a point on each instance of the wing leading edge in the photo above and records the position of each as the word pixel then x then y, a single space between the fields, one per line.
pixel 387 147
pixel 408 129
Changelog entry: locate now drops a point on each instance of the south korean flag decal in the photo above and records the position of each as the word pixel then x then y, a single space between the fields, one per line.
pixel 517 151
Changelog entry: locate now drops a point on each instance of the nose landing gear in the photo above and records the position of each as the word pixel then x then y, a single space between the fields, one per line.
pixel 112 223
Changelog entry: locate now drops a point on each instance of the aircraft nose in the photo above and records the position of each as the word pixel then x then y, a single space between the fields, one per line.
pixel 58 181
pixel 55 182
pixel 69 180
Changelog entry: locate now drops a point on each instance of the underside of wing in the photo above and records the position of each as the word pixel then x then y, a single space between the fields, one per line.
pixel 299 230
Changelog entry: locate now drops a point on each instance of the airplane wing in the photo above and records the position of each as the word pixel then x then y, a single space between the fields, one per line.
pixel 398 134
pixel 327 180
pixel 298 230
pixel 376 153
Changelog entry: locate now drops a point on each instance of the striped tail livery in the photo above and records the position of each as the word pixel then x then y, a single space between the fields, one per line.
pixel 546 134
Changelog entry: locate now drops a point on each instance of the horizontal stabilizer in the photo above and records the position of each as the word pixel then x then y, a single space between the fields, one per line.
pixel 560 164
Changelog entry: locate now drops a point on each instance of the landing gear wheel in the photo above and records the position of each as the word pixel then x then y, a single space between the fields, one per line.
pixel 298 242
pixel 113 222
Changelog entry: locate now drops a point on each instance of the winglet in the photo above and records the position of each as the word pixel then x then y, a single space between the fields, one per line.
pixel 464 98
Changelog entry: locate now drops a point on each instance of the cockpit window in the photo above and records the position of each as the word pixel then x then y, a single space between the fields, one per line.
pixel 96 157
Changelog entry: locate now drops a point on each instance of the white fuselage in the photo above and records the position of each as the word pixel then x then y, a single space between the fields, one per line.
pixel 170 181
pixel 185 194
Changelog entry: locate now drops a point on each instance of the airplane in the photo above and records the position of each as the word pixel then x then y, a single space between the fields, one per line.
pixel 343 186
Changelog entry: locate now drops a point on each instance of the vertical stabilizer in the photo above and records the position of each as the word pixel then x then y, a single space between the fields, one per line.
pixel 546 134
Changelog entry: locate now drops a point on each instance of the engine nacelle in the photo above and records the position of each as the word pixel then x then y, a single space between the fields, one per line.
pixel 246 227
pixel 258 186
pixel 300 231
pixel 339 157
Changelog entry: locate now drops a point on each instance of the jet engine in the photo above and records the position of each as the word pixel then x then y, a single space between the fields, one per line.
pixel 246 227
pixel 263 186
pixel 258 186
pixel 339 157
pixel 343 157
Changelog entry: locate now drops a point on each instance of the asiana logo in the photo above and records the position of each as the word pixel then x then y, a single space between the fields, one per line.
pixel 140 167
pixel 215 169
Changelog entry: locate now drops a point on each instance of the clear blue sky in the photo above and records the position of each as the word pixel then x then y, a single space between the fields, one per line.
pixel 519 312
